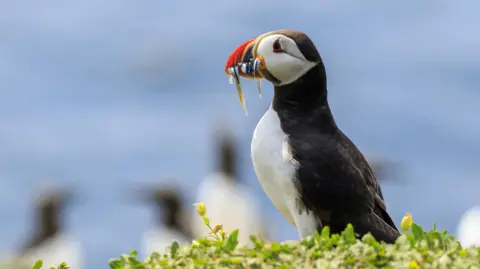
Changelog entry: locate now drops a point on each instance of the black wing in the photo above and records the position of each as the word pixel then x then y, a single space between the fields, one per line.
pixel 336 182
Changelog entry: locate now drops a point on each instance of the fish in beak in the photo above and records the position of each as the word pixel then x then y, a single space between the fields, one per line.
pixel 243 63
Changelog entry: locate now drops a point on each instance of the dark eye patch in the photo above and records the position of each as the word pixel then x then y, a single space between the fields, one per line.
pixel 277 47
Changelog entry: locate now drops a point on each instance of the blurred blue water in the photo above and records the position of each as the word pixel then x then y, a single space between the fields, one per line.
pixel 102 95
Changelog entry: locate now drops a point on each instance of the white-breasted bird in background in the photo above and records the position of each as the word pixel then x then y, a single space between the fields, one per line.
pixel 171 220
pixel 49 242
pixel 468 230
pixel 308 167
pixel 229 202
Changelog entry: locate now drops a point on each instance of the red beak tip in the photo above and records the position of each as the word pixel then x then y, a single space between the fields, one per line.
pixel 236 56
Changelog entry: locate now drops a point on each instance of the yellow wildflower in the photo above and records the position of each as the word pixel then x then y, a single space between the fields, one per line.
pixel 201 209
pixel 407 222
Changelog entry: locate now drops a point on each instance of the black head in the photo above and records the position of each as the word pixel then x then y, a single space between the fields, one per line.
pixel 226 154
pixel 169 203
pixel 48 212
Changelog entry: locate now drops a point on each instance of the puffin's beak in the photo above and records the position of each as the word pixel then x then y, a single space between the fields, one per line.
pixel 242 61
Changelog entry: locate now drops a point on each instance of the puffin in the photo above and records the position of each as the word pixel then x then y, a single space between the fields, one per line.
pixel 228 200
pixel 311 171
pixel 49 242
pixel 170 223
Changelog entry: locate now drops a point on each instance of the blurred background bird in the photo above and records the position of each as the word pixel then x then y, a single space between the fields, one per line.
pixel 229 201
pixel 48 240
pixel 171 222
pixel 468 229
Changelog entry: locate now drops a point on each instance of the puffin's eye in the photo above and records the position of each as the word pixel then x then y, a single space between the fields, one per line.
pixel 277 47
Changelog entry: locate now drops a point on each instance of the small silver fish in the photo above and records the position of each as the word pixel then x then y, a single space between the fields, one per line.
pixel 251 67
pixel 256 64
pixel 259 85
pixel 234 77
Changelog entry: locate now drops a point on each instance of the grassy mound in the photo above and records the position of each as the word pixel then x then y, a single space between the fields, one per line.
pixel 414 249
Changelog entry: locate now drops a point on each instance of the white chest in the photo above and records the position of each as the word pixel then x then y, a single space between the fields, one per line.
pixel 229 204
pixel 55 251
pixel 273 168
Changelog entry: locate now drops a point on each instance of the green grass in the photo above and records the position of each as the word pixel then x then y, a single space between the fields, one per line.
pixel 415 248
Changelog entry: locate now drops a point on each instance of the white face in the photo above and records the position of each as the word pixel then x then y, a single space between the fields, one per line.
pixel 283 58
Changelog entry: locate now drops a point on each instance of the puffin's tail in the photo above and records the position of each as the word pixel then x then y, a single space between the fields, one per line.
pixel 374 224
pixel 367 223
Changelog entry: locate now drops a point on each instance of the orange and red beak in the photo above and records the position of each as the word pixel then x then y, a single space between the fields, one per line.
pixel 243 61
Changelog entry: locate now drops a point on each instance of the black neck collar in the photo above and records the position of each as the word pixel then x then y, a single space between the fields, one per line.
pixel 305 98
pixel 309 90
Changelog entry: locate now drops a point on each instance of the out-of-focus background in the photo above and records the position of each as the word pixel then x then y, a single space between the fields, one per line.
pixel 100 96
